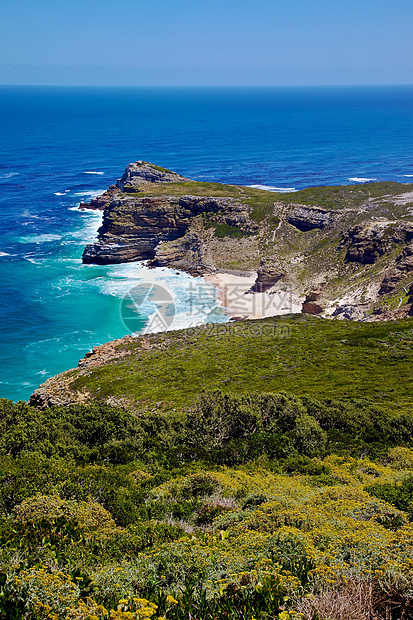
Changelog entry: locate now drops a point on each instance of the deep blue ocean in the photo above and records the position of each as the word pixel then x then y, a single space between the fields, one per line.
pixel 59 146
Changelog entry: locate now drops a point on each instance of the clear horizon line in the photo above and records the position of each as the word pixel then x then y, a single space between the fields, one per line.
pixel 295 85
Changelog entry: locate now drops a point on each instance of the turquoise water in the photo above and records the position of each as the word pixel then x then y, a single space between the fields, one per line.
pixel 63 145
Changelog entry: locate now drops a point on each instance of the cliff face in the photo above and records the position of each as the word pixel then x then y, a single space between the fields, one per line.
pixel 308 218
pixel 367 242
pixel 137 228
pixel 350 246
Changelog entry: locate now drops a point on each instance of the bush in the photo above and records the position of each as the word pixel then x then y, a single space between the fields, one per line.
pixel 310 439
pixel 399 495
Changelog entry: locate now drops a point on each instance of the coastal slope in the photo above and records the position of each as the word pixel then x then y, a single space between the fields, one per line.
pixel 299 353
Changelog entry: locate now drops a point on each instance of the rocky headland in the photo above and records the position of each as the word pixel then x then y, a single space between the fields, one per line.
pixel 345 251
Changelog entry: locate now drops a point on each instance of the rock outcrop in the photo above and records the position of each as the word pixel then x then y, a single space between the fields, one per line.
pixel 268 274
pixel 367 242
pixel 309 218
pixel 313 303
pixel 139 173
pixel 100 202
pixel 137 228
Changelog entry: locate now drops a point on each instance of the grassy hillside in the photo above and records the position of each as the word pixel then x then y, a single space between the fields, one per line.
pixel 301 354
pixel 262 201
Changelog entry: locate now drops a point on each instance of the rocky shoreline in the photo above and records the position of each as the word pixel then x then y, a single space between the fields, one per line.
pixel 346 252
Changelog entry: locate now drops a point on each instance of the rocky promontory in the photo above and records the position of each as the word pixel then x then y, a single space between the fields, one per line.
pixel 351 244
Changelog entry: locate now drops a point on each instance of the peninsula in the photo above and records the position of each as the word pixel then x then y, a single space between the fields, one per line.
pixel 345 251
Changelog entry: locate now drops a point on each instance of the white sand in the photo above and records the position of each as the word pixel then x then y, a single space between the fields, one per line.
pixel 234 296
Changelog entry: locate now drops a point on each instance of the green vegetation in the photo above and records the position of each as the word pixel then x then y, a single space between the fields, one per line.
pixel 345 196
pixel 263 470
pixel 147 163
pixel 233 508
pixel 225 230
pixel 193 188
pixel 262 201
pixel 299 354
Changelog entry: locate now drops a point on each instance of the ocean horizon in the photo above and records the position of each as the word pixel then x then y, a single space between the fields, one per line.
pixel 64 145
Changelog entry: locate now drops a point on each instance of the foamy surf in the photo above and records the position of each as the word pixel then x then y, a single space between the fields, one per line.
pixel 360 179
pixel 92 172
pixel 40 238
pixel 91 193
pixel 196 301
pixel 92 221
pixel 271 188
pixel 7 175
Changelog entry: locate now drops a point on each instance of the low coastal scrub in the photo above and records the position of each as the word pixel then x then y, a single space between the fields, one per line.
pixel 299 354
pixel 261 505
pixel 219 428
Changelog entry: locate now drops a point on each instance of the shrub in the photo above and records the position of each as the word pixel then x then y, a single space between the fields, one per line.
pixel 310 439
pixel 399 495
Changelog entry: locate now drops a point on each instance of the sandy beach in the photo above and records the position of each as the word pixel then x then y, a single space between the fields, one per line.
pixel 233 292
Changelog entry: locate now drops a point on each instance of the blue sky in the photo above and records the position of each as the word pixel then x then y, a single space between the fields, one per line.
pixel 226 42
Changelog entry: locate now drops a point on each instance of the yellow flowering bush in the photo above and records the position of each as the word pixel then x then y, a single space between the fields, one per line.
pixel 48 594
pixel 289 535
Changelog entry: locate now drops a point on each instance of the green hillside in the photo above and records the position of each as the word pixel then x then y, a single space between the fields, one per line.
pixel 301 354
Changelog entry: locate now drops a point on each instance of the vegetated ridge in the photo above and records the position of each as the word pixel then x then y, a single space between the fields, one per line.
pixel 346 250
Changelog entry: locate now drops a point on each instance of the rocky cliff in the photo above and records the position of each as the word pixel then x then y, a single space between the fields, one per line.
pixel 346 250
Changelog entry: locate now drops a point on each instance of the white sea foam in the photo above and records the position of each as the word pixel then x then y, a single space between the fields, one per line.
pixel 59 193
pixel 360 179
pixel 73 261
pixel 92 172
pixel 33 260
pixel 8 175
pixel 196 301
pixel 271 188
pixel 92 220
pixel 39 238
pixel 92 193
pixel 408 175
